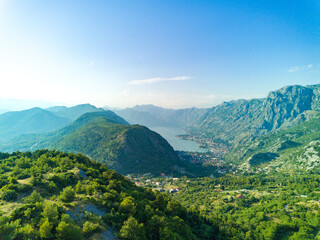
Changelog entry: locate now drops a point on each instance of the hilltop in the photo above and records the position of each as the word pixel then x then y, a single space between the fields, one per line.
pixel 109 139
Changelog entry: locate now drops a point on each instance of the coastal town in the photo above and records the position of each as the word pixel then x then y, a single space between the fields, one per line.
pixel 206 143
pixel 204 158
pixel 210 161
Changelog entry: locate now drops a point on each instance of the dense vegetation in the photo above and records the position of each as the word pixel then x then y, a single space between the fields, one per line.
pixel 109 139
pixel 274 206
pixel 54 195
pixel 124 148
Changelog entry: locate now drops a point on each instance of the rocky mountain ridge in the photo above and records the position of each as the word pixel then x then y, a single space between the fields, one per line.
pixel 242 120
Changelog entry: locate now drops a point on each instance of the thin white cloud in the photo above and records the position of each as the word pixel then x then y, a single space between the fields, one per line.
pixel 91 64
pixel 130 98
pixel 155 80
pixel 299 68
pixel 295 69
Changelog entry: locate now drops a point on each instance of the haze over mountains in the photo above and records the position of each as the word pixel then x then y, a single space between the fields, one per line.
pixel 35 120
pixel 72 113
pixel 104 135
pixel 258 131
pixel 38 120
pixel 270 142
pixel 153 116
pixel 282 108
pixel 107 138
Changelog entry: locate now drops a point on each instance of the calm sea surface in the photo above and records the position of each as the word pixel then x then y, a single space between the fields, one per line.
pixel 177 143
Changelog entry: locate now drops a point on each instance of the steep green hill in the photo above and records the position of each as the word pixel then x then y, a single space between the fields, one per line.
pixel 109 139
pixel 127 149
pixel 35 120
pixel 54 195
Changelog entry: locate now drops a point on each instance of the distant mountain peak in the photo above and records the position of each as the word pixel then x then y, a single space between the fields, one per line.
pixel 106 114
pixel 148 107
pixel 74 112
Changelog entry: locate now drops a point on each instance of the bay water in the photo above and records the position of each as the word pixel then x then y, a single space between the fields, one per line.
pixel 178 144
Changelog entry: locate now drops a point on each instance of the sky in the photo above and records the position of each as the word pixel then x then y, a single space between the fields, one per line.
pixel 170 53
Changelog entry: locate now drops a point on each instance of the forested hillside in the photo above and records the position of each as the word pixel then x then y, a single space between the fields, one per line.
pixel 274 206
pixel 109 139
pixel 54 195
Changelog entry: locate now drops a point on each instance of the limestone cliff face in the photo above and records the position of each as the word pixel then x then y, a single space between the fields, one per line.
pixel 233 120
pixel 285 106
pixel 240 120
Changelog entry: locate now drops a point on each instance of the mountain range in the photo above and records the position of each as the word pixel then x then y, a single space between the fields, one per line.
pixel 38 120
pixel 154 116
pixel 280 130
pixel 256 130
pixel 72 113
pixel 239 120
pixel 253 129
pixel 35 120
pixel 107 138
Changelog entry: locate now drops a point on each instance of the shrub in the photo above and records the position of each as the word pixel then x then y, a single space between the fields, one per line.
pixel 9 195
pixel 68 194
pixel 90 228
pixel 45 229
pixel 34 197
pixel 68 231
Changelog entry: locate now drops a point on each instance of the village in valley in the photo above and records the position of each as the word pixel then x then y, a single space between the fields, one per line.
pixel 209 162
pixel 207 143
pixel 162 184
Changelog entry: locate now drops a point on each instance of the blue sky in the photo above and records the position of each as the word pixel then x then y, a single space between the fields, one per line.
pixel 168 53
